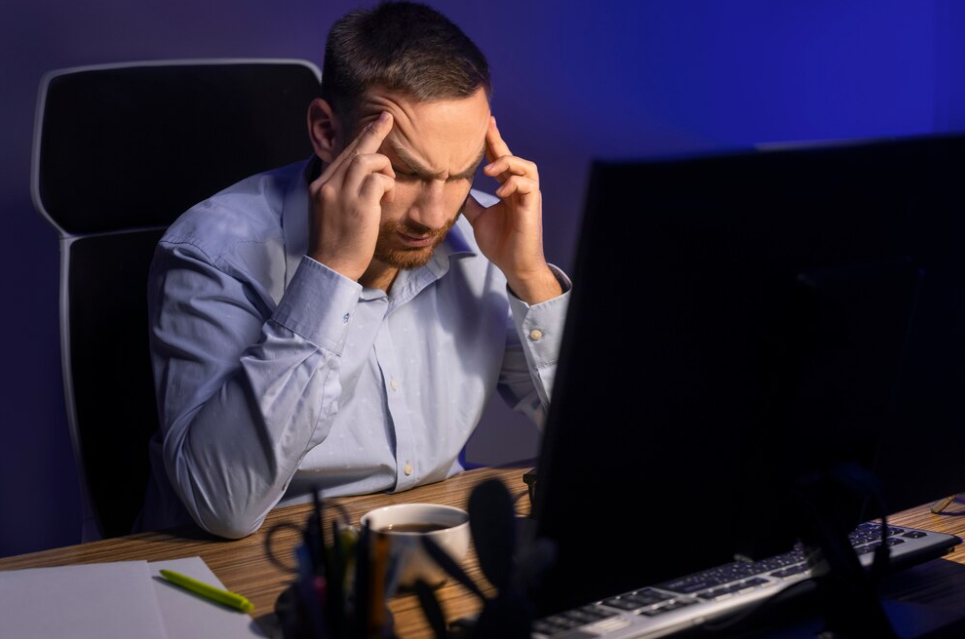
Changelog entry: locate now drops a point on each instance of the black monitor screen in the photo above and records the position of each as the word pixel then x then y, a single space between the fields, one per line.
pixel 736 322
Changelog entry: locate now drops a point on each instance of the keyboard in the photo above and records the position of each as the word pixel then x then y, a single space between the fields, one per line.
pixel 674 605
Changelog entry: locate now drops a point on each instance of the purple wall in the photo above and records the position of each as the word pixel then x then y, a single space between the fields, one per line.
pixel 572 81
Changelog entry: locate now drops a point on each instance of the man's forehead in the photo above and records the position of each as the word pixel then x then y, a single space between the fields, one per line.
pixel 445 135
pixel 376 99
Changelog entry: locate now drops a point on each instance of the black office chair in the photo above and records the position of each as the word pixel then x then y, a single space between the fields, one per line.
pixel 119 152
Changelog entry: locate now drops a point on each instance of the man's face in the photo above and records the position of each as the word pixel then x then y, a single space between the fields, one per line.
pixel 435 148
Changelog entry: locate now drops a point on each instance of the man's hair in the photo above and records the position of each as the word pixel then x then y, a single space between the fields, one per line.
pixel 400 46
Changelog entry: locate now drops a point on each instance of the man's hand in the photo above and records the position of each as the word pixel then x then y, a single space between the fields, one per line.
pixel 510 233
pixel 346 205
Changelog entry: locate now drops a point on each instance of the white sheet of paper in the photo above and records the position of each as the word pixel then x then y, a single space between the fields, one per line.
pixel 102 601
pixel 188 616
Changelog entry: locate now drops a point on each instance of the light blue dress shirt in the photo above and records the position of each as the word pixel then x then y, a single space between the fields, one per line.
pixel 275 374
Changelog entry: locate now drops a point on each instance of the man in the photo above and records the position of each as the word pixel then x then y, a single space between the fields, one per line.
pixel 337 323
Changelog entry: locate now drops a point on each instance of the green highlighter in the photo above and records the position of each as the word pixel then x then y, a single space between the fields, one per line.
pixel 208 592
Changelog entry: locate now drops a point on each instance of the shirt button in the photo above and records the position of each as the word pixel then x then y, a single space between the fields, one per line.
pixel 394 384
pixel 408 468
pixel 536 335
pixel 345 318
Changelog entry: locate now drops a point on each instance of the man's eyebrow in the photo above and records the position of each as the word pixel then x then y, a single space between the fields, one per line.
pixel 424 173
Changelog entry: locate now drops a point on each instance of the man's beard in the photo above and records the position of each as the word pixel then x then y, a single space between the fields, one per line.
pixel 390 250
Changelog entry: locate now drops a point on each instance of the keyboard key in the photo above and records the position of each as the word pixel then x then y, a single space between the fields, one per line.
pixel 587 614
pixel 621 603
pixel 791 570
pixel 580 616
pixel 863 537
pixel 786 561
pixel 642 602
pixel 915 534
pixel 689 585
pixel 894 541
pixel 563 621
pixel 646 599
pixel 653 593
pixel 732 588
pixel 599 612
pixel 780 561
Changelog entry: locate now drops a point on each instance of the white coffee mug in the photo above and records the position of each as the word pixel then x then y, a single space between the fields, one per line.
pixel 405 545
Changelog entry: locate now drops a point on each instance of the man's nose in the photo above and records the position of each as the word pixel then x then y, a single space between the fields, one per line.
pixel 429 209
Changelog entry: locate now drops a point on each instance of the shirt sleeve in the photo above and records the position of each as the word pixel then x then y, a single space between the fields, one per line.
pixel 244 390
pixel 532 350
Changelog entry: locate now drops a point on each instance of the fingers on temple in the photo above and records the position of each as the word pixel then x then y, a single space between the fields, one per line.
pixel 368 141
pixel 371 138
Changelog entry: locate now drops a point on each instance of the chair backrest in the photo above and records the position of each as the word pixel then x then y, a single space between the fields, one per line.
pixel 119 152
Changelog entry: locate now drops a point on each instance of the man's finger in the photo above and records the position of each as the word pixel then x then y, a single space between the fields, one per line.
pixel 371 139
pixel 347 153
pixel 517 184
pixel 360 167
pixel 495 146
pixel 373 133
pixel 472 209
pixel 375 187
pixel 509 165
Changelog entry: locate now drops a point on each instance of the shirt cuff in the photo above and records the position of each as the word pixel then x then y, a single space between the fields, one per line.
pixel 318 305
pixel 540 326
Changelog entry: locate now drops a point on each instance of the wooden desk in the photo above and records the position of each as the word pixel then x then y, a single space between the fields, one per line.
pixel 242 565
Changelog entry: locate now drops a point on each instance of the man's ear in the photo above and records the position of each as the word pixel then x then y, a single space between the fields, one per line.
pixel 324 130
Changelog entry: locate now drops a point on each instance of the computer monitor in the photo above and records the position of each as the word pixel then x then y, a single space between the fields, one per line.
pixel 738 321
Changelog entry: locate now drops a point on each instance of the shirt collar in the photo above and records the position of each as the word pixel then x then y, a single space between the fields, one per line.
pixel 455 245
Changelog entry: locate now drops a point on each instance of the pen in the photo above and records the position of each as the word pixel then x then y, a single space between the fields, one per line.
pixel 310 587
pixel 942 504
pixel 363 578
pixel 208 592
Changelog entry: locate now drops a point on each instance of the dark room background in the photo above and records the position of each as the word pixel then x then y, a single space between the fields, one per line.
pixel 573 81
